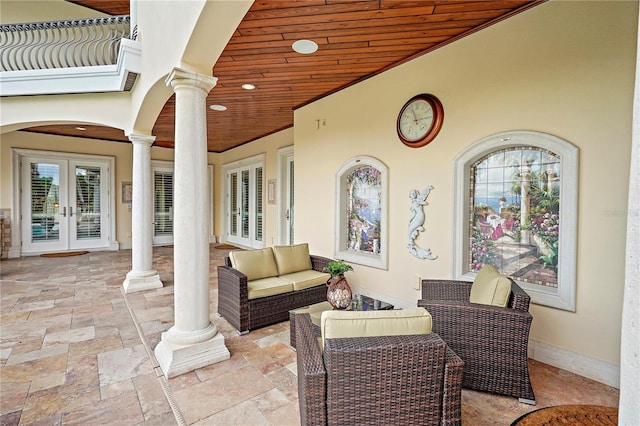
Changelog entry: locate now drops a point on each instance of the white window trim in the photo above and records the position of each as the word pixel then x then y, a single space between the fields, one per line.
pixel 252 162
pixel 380 260
pixel 564 296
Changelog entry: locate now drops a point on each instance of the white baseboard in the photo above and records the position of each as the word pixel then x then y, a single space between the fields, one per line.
pixel 582 365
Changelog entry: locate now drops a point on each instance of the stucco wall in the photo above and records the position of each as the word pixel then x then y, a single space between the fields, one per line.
pixel 564 68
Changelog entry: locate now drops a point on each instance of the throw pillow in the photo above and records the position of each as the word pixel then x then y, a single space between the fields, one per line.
pixel 490 287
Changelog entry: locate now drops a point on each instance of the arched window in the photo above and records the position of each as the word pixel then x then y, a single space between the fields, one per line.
pixel 361 215
pixel 516 209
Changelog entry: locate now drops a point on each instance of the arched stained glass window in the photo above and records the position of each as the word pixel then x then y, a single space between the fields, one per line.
pixel 361 214
pixel 516 208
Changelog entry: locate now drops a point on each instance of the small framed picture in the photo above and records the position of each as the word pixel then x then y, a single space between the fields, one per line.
pixel 127 192
pixel 271 191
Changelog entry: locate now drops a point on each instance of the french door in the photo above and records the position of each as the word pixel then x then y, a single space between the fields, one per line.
pixel 162 205
pixel 245 206
pixel 65 204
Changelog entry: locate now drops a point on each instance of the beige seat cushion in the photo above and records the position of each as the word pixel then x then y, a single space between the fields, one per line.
pixel 255 264
pixel 306 279
pixel 291 259
pixel 268 287
pixel 338 324
pixel 315 311
pixel 490 287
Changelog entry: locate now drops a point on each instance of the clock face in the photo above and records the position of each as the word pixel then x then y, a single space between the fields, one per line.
pixel 416 120
pixel 420 120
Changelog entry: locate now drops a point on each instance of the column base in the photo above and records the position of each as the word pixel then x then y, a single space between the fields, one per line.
pixel 139 281
pixel 175 359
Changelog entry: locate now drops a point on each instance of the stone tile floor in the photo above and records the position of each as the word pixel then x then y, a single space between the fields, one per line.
pixel 74 349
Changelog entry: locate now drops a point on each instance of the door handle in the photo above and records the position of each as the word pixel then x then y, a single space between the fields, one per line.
pixel 64 212
pixel 287 215
pixel 70 211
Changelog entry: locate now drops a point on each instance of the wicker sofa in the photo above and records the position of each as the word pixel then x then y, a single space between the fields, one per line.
pixel 396 375
pixel 491 340
pixel 257 288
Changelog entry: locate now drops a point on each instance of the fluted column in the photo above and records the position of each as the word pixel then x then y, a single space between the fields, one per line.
pixel 193 341
pixel 142 275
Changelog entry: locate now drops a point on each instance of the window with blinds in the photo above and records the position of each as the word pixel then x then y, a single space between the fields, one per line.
pixel 45 201
pixel 88 202
pixel 163 203
pixel 258 204
pixel 245 204
pixel 233 183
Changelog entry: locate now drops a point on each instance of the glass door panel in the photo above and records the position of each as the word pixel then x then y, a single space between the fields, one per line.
pixel 87 204
pixel 163 207
pixel 289 201
pixel 44 205
pixel 244 209
pixel 233 204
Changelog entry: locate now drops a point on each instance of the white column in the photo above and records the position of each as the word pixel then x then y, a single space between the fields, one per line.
pixel 142 275
pixel 193 341
pixel 629 411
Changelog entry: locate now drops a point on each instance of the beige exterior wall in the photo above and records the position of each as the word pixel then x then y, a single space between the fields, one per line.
pixel 564 68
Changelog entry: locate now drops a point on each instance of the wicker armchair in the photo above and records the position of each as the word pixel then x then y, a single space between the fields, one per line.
pixel 403 380
pixel 491 340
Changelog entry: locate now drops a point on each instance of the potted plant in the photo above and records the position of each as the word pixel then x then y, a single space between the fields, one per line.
pixel 338 292
pixel 337 268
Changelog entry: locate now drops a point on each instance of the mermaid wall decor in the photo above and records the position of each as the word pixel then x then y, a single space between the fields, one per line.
pixel 416 223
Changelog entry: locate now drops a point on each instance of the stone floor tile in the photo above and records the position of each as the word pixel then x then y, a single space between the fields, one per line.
pixel 122 364
pixel 37 368
pixel 151 396
pixel 13 395
pixel 119 410
pixel 47 351
pixel 210 397
pixel 244 413
pixel 10 419
pixel 117 389
pixel 71 336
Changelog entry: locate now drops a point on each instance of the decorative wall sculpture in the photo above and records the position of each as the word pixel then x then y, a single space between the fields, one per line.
pixel 418 201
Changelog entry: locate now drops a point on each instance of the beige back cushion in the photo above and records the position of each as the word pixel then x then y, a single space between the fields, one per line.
pixel 337 324
pixel 291 259
pixel 490 287
pixel 255 264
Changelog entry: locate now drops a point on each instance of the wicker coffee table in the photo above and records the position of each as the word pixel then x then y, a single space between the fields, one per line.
pixel 359 303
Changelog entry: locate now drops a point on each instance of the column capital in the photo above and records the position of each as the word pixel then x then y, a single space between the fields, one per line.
pixel 179 77
pixel 140 138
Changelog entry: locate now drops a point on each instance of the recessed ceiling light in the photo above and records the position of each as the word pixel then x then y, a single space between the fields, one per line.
pixel 81 128
pixel 248 86
pixel 304 46
pixel 218 107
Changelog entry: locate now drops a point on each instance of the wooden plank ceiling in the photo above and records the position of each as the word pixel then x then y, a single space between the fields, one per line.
pixel 356 40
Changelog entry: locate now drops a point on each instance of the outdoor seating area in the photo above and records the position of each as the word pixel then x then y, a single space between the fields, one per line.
pixel 259 287
pixel 76 349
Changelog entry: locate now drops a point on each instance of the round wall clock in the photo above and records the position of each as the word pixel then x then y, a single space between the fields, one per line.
pixel 420 120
